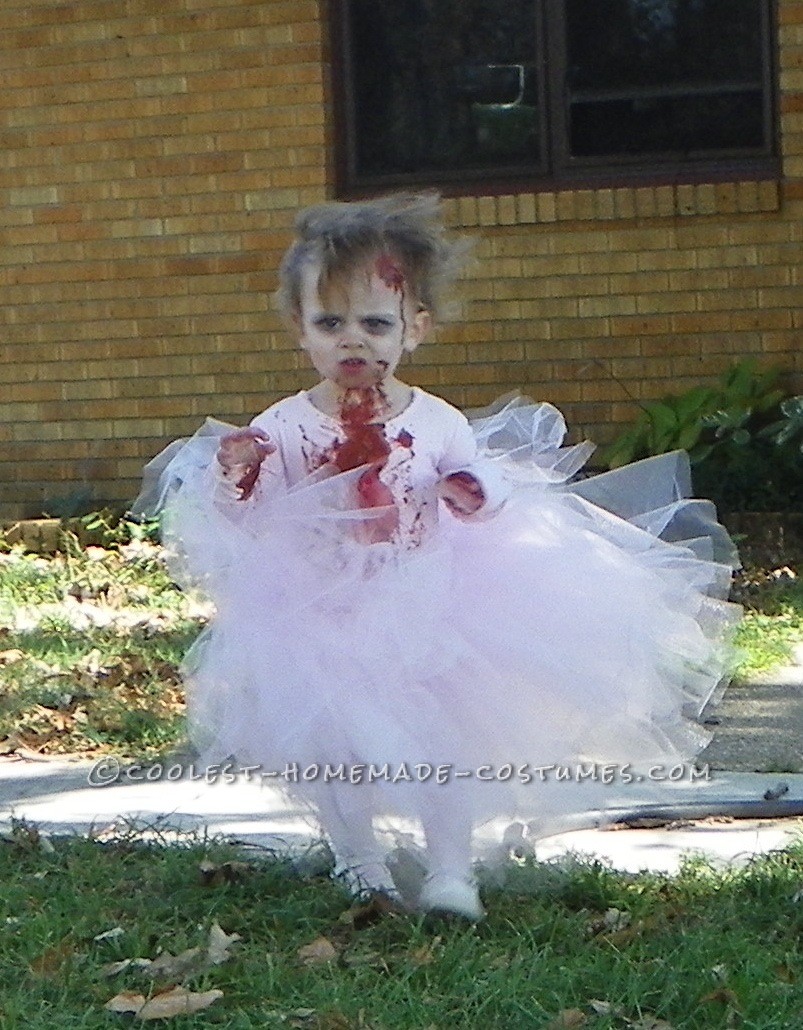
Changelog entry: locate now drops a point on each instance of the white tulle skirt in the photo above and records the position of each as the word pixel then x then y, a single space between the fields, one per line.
pixel 532 665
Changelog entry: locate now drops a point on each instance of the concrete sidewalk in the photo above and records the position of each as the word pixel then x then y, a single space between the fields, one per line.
pixel 67 796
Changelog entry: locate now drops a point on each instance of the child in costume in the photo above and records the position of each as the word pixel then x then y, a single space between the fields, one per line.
pixel 421 616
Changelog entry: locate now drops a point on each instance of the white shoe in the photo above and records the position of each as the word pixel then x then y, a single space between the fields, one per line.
pixel 365 878
pixel 443 894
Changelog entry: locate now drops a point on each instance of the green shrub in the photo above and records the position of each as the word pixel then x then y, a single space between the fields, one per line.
pixel 744 437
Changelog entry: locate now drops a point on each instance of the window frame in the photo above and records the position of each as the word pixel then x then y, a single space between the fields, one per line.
pixel 559 171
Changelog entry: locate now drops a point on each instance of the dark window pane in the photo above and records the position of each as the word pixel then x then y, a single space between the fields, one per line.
pixel 443 85
pixel 668 124
pixel 675 76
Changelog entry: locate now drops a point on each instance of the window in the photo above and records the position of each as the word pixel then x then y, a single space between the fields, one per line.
pixel 551 92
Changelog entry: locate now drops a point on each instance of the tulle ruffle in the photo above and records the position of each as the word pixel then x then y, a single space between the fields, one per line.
pixel 584 625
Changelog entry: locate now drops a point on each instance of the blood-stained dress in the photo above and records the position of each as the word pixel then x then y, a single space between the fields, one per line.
pixel 362 631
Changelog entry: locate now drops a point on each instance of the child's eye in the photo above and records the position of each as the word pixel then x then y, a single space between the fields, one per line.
pixel 377 326
pixel 327 322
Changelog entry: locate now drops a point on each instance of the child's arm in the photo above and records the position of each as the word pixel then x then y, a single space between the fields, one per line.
pixel 471 487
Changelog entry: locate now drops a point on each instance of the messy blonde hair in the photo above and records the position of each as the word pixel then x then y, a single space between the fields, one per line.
pixel 342 237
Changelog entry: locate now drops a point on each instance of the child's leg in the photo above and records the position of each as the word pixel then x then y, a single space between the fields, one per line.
pixel 448 828
pixel 449 888
pixel 346 814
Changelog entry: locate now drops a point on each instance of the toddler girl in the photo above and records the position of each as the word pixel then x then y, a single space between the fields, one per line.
pixel 417 616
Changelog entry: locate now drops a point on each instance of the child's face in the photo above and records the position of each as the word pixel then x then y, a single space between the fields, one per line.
pixel 356 336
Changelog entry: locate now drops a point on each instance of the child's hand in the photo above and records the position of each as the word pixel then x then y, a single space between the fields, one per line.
pixel 240 456
pixel 462 493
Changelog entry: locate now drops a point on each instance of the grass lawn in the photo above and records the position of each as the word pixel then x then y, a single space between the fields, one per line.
pixel 90 643
pixel 577 947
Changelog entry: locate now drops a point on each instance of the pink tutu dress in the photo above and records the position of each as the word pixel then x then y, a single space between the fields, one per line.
pixel 366 639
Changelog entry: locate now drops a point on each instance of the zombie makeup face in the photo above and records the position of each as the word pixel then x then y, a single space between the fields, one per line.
pixel 358 331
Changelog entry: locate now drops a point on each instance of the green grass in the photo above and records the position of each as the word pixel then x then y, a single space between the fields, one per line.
pixel 730 937
pixel 773 621
pixel 90 646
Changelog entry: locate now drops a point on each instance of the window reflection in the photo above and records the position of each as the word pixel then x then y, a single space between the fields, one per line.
pixel 444 85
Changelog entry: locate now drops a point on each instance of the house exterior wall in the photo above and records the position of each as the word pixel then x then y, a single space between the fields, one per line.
pixel 153 154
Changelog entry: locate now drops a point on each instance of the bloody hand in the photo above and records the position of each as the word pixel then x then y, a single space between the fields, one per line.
pixel 241 454
pixel 462 493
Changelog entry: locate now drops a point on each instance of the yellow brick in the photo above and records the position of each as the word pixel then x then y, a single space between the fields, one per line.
pixel 547 207
pixel 646 205
pixel 625 202
pixel 506 210
pixel 565 206
pixel 665 201
pixel 526 207
pixel 706 199
pixel 605 204
pixel 726 197
pixel 584 204
pixel 469 214
pixel 486 209
pixel 747 196
pixel 34 195
pixel 665 302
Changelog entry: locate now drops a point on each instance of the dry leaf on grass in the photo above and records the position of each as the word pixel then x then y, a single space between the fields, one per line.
pixel 8 745
pixel 52 960
pixel 722 995
pixel 176 967
pixel 311 1019
pixel 365 913
pixel 176 1002
pixel 109 935
pixel 217 947
pixel 12 656
pixel 321 950
pixel 213 874
pixel 425 955
pixel 612 921
pixel 648 1022
pixel 364 960
pixel 188 963
pixel 113 968
pixel 568 1019
pixel 786 973
pixel 604 1008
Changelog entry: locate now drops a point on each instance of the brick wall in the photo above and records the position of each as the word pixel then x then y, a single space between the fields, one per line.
pixel 152 156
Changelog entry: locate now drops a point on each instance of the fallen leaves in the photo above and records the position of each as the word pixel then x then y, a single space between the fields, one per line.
pixel 167 966
pixel 53 960
pixel 175 1000
pixel 312 1019
pixel 27 837
pixel 568 1019
pixel 12 656
pixel 363 914
pixel 109 935
pixel 572 1019
pixel 64 709
pixel 321 950
pixel 113 600
pixel 213 874
pixel 178 1001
